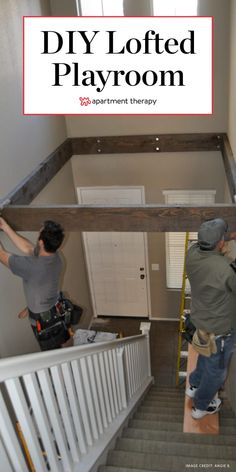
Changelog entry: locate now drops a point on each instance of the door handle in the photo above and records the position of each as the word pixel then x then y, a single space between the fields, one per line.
pixel 142 276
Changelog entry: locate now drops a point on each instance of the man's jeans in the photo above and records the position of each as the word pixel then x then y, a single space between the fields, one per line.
pixel 210 373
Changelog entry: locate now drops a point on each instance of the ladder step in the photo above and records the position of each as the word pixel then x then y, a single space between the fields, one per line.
pixel 184 354
pixel 182 374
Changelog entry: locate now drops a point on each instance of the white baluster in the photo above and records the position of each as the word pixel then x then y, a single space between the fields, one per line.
pixel 108 378
pixel 94 394
pixel 114 354
pixel 22 412
pixel 113 383
pixel 10 439
pixel 88 395
pixel 127 372
pixel 99 389
pixel 105 386
pixel 62 399
pixel 74 406
pixel 121 373
pixel 41 418
pixel 135 366
pixel 83 405
pixel 55 418
pixel 130 369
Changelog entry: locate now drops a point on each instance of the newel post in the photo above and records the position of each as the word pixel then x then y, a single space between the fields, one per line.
pixel 145 329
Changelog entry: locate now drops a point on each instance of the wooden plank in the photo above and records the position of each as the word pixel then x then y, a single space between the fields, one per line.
pixel 208 424
pixel 147 218
pixel 230 165
pixel 147 143
pixel 30 187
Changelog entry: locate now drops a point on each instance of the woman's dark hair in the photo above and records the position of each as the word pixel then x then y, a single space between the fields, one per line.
pixel 52 235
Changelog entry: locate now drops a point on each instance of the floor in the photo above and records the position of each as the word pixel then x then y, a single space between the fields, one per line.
pixel 163 343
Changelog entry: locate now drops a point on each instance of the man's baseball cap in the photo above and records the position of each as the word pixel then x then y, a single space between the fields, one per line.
pixel 211 232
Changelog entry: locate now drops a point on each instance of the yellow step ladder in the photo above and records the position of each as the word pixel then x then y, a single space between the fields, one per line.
pixel 182 351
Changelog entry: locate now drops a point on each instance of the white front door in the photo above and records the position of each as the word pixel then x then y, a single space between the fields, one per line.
pixel 116 261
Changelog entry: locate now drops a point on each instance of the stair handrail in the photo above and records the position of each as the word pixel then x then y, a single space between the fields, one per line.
pixel 69 403
pixel 20 365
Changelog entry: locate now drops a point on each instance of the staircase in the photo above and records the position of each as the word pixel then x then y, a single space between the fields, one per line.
pixel 154 439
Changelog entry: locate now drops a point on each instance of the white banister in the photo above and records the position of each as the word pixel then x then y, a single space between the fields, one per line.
pixel 69 403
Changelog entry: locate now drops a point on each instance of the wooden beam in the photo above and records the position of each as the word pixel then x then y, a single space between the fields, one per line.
pixel 147 143
pixel 230 165
pixel 30 187
pixel 147 218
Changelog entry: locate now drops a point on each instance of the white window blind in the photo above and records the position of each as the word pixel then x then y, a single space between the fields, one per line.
pixel 175 241
pixel 175 7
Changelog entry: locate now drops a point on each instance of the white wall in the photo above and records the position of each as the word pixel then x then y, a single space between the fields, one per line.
pixel 24 142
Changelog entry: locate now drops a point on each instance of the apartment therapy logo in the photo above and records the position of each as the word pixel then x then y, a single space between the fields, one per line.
pixel 122 61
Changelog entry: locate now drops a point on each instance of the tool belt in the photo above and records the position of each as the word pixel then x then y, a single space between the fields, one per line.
pixel 204 343
pixel 51 326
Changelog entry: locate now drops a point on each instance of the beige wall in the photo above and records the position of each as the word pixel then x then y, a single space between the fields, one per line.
pixel 232 78
pixel 231 383
pixel 24 142
pixel 63 7
pixel 163 171
pixel 116 125
pixel 156 173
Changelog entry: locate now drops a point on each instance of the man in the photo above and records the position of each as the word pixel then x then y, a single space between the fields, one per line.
pixel 40 270
pixel 212 277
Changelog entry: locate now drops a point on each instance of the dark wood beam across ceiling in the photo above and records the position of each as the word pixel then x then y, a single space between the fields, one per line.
pixel 25 192
pixel 147 143
pixel 230 166
pixel 147 218
pixel 31 186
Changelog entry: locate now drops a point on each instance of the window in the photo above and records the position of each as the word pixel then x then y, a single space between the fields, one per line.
pixel 101 7
pixel 175 7
pixel 175 242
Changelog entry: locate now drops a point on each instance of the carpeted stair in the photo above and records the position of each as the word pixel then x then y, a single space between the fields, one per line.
pixel 154 439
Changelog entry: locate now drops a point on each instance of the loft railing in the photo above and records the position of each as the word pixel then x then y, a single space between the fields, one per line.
pixel 59 410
